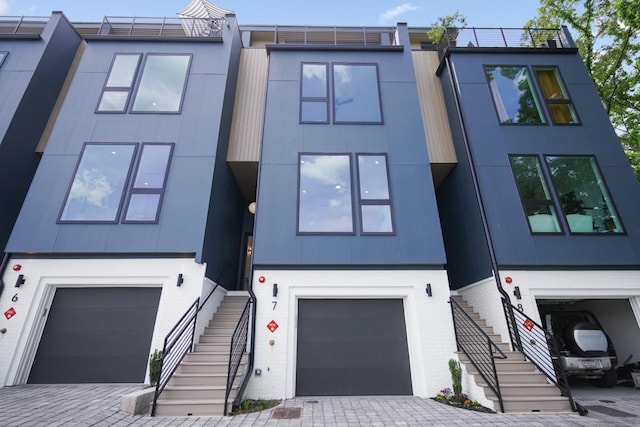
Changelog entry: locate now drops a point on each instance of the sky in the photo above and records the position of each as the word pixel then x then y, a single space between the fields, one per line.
pixel 417 13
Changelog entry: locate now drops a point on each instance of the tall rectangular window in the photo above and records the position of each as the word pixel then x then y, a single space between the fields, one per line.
pixel 159 84
pixel 3 55
pixel 97 189
pixel 583 195
pixel 324 194
pixel 555 96
pixel 375 199
pixel 149 180
pixel 356 95
pixel 513 95
pixel 314 97
pixel 535 196
pixel 119 84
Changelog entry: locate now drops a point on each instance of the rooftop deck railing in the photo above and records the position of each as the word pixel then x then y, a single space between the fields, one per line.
pixel 22 24
pixel 533 38
pixel 337 36
pixel 125 26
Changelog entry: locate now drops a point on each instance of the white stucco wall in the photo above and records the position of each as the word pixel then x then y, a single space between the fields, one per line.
pixel 19 344
pixel 430 334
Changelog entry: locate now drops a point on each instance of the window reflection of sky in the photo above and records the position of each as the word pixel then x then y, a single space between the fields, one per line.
pixel 98 184
pixel 376 219
pixel 143 207
pixel 113 101
pixel 314 83
pixel 373 178
pixel 162 83
pixel 356 97
pixel 325 194
pixel 153 165
pixel 123 71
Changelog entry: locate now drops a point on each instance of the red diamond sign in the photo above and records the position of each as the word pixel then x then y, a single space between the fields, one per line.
pixel 528 324
pixel 10 313
pixel 272 326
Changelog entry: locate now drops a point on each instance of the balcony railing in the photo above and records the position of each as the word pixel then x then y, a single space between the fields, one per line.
pixel 16 25
pixel 123 26
pixel 527 38
pixel 336 36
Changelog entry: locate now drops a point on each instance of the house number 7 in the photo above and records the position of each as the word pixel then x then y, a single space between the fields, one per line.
pixel 275 303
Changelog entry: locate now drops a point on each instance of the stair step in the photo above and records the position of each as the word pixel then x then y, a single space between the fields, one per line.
pixel 185 378
pixel 190 407
pixel 217 347
pixel 207 356
pixel 216 339
pixel 515 390
pixel 535 404
pixel 194 392
pixel 203 367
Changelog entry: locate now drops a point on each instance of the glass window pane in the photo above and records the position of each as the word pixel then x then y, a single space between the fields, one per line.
pixel 113 101
pixel 550 84
pixel 142 207
pixel 513 95
pixel 542 218
pixel 376 219
pixel 123 71
pixel 314 112
pixel 99 182
pixel 356 95
pixel 372 171
pixel 562 113
pixel 583 195
pixel 162 83
pixel 3 55
pixel 314 81
pixel 325 194
pixel 152 166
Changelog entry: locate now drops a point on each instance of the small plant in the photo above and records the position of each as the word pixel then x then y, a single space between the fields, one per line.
pixel 456 376
pixel 248 405
pixel 245 404
pixel 155 362
pixel 460 400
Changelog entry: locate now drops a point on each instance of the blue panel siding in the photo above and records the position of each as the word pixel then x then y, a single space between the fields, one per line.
pixel 418 239
pixel 491 144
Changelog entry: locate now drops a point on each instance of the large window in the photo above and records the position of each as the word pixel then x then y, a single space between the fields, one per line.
pixel 375 198
pixel 3 55
pixel 555 96
pixel 536 199
pixel 160 83
pixel 101 179
pixel 513 95
pixel 583 196
pixel 355 94
pixel 325 201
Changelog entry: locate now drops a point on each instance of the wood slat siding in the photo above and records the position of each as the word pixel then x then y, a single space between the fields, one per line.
pixel 434 113
pixel 248 111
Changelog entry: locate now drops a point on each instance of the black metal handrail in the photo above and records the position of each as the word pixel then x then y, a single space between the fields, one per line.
pixel 540 348
pixel 177 343
pixel 237 349
pixel 478 347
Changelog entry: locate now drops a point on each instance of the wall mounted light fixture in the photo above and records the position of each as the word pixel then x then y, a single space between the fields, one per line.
pixel 429 293
pixel 275 289
pixel 20 280
pixel 516 292
pixel 180 280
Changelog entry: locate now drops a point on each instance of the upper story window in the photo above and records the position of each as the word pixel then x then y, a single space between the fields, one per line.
pixel 583 195
pixel 159 83
pixel 3 55
pixel 555 96
pixel 535 196
pixel 581 192
pixel 375 197
pixel 314 97
pixel 324 194
pixel 513 95
pixel 355 94
pixel 100 183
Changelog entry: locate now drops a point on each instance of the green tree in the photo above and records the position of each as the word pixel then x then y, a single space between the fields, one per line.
pixel 607 33
pixel 456 20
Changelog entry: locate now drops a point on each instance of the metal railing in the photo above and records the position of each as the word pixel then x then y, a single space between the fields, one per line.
pixel 177 343
pixel 539 347
pixel 478 347
pixel 472 37
pixel 125 26
pixel 23 24
pixel 360 36
pixel 237 350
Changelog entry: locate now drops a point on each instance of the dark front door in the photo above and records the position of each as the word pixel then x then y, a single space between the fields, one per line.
pixel 96 335
pixel 352 347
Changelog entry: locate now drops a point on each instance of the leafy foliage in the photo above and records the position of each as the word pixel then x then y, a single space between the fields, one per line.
pixel 461 400
pixel 456 376
pixel 438 27
pixel 155 362
pixel 607 33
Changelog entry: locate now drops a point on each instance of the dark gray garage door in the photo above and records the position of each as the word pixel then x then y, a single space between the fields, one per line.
pixel 352 347
pixel 96 335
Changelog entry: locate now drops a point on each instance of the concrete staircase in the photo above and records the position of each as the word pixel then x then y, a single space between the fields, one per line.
pixel 523 387
pixel 198 386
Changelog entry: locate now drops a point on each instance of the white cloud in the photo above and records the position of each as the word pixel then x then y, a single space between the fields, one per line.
pixel 392 14
pixel 4 6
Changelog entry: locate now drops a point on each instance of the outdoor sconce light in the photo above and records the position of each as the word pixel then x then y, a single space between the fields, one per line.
pixel 516 292
pixel 180 280
pixel 252 208
pixel 429 293
pixel 20 280
pixel 275 289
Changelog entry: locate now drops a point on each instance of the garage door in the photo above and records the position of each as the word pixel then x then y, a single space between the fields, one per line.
pixel 352 347
pixel 96 335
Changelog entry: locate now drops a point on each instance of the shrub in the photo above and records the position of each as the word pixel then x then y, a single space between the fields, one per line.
pixel 155 361
pixel 456 376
